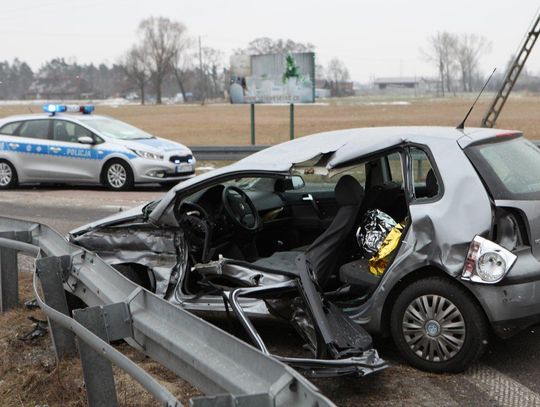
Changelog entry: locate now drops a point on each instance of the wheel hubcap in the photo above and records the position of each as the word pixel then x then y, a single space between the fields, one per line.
pixel 116 175
pixel 5 174
pixel 434 328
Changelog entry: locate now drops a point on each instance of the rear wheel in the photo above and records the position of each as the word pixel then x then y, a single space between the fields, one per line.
pixel 437 326
pixel 117 175
pixel 8 175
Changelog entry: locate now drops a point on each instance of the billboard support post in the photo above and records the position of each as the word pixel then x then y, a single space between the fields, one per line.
pixel 252 109
pixel 291 121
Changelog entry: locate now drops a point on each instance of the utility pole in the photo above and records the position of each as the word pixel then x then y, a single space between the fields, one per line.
pixel 203 81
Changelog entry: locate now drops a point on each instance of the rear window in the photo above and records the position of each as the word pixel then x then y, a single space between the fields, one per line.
pixel 10 128
pixel 510 168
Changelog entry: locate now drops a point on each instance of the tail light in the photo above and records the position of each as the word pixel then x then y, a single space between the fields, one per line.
pixel 487 262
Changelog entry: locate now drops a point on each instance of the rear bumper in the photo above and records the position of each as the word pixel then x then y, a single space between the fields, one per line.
pixel 513 304
pixel 506 329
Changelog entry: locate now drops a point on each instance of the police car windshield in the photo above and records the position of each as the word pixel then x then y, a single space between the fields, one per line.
pixel 116 129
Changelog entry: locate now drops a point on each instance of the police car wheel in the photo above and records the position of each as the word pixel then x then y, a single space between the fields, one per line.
pixel 117 175
pixel 437 326
pixel 8 175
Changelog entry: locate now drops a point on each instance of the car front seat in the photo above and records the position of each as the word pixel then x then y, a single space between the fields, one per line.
pixel 61 134
pixel 322 255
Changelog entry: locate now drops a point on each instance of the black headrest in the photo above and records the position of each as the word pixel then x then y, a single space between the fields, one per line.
pixel 432 187
pixel 348 191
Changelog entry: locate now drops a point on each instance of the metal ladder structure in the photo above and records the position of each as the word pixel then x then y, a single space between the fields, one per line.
pixel 512 74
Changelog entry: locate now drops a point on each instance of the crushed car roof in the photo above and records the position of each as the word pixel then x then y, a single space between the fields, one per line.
pixel 351 143
pixel 345 145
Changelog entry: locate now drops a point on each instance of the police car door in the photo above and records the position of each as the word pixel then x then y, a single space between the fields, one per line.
pixel 28 149
pixel 73 160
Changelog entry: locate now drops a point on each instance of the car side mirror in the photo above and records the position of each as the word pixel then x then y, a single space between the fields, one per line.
pixel 86 140
pixel 297 182
pixel 289 184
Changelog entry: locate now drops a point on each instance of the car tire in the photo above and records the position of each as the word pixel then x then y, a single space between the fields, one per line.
pixel 437 326
pixel 8 175
pixel 117 175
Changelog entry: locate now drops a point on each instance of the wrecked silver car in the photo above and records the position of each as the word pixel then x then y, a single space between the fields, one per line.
pixel 428 234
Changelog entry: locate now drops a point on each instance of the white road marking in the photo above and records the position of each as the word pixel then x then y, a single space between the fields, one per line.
pixel 501 388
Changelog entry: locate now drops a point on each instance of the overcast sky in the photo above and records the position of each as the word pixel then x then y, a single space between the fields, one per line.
pixel 373 38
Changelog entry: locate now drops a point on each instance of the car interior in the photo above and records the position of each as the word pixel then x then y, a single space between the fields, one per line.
pixel 269 221
pixel 68 131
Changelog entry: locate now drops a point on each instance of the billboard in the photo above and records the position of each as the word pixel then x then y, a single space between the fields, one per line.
pixel 273 78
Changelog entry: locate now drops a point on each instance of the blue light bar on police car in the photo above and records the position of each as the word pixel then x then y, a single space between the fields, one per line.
pixel 87 109
pixel 53 108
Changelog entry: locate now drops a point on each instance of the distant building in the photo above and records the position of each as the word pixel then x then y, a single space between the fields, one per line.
pixel 407 83
pixel 326 88
pixel 402 82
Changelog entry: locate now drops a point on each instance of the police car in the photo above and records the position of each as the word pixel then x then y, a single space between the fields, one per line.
pixel 85 148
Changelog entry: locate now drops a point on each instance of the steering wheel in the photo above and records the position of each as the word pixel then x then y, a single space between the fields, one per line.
pixel 240 208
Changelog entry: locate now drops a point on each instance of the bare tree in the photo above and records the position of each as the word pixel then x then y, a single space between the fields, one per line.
pixel 470 48
pixel 204 66
pixel 161 39
pixel 441 51
pixel 182 70
pixel 320 71
pixel 182 63
pixel 337 73
pixel 265 45
pixel 212 61
pixel 135 65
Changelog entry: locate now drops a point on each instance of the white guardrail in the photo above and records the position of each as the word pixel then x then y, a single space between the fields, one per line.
pixel 227 370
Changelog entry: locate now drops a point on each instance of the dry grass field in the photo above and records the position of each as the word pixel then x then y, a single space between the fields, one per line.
pixel 224 124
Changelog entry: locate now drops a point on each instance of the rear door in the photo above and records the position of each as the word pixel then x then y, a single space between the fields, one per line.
pixel 28 148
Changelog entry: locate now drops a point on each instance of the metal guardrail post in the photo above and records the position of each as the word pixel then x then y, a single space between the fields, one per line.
pixel 49 270
pixel 9 279
pixel 97 370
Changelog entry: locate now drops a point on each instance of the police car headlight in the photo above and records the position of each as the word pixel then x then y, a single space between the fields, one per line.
pixel 148 155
